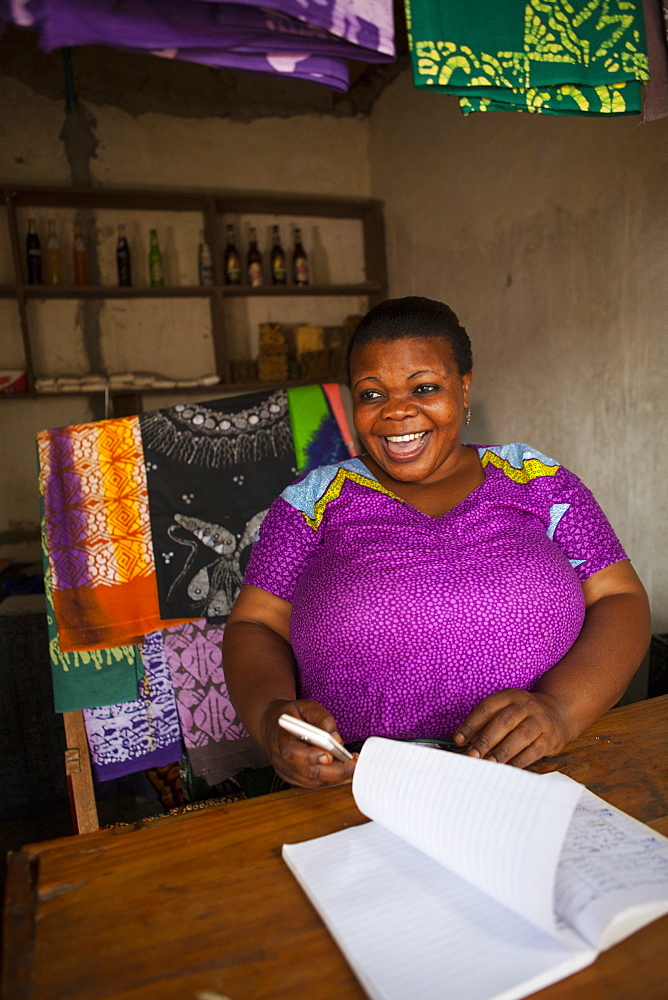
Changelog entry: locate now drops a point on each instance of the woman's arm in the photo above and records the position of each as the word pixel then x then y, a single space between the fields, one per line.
pixel 518 727
pixel 261 676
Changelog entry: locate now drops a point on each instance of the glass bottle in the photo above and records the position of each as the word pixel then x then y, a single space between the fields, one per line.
pixel 204 260
pixel 80 260
pixel 299 260
pixel 156 276
pixel 231 259
pixel 278 273
pixel 253 260
pixel 33 254
pixel 53 266
pixel 123 263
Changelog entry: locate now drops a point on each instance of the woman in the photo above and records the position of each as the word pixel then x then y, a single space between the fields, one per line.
pixel 430 589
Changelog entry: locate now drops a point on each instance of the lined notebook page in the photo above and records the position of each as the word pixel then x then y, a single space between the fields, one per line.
pixel 409 928
pixel 498 827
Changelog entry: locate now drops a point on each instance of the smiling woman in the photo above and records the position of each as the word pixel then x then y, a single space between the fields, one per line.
pixel 429 589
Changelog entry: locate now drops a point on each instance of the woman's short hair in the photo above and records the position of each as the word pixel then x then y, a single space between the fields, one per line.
pixel 414 317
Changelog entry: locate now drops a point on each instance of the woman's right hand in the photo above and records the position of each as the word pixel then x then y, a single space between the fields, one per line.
pixel 295 761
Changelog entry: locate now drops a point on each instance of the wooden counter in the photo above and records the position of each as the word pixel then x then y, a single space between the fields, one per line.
pixel 204 901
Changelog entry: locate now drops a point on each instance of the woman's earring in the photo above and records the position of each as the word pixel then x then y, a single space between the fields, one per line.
pixel 467 415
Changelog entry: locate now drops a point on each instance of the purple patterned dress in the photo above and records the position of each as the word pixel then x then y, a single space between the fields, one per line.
pixel 401 623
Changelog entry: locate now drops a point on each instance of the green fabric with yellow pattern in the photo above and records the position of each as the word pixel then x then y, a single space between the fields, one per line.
pixel 583 57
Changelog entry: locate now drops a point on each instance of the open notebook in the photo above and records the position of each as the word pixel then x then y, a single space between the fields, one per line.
pixel 477 879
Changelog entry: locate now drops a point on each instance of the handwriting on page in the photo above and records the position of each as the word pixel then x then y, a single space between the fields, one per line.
pixel 608 859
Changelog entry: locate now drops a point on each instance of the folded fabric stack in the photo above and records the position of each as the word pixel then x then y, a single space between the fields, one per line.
pixel 306 39
pixel 558 57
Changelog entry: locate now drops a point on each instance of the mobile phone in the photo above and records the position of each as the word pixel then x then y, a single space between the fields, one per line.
pixel 311 734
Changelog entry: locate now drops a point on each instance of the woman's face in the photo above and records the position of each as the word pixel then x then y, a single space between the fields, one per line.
pixel 408 405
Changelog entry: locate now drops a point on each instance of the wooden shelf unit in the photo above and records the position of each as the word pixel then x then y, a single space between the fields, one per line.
pixel 212 206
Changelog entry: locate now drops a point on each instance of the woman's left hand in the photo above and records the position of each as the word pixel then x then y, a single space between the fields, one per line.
pixel 515 727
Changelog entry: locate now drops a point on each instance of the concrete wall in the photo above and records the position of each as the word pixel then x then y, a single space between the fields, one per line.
pixel 549 238
pixel 305 153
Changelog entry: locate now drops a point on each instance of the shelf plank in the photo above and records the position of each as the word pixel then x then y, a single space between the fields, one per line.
pixel 199 390
pixel 269 203
pixel 181 291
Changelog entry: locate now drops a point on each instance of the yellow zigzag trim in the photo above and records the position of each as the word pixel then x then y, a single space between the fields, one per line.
pixel 334 490
pixel 532 468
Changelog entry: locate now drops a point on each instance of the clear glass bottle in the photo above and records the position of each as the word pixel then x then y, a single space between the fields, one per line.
pixel 79 260
pixel 53 265
pixel 231 259
pixel 253 260
pixel 300 274
pixel 204 260
pixel 33 254
pixel 123 260
pixel 278 270
pixel 155 272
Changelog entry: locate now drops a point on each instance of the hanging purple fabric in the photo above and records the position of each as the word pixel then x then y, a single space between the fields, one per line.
pixel 135 735
pixel 367 23
pixel 307 40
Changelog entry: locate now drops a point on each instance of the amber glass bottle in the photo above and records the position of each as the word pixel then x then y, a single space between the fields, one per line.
pixel 300 274
pixel 231 259
pixel 278 270
pixel 253 260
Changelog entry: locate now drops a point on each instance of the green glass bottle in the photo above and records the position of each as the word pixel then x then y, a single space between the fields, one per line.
pixel 156 276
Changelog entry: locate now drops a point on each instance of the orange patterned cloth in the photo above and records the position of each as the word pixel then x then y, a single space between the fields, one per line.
pixel 98 537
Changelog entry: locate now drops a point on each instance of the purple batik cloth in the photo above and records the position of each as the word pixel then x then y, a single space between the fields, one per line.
pixel 367 23
pixel 401 623
pixel 277 39
pixel 136 735
pixel 217 744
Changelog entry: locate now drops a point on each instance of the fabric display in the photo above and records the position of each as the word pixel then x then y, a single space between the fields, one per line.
pixel 98 536
pixel 212 471
pixel 190 483
pixel 558 57
pixel 217 744
pixel 139 734
pixel 305 39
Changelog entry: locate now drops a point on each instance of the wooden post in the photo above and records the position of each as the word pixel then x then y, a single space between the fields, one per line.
pixel 79 776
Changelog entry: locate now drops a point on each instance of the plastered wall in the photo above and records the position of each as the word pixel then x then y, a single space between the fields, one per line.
pixel 549 238
pixel 306 153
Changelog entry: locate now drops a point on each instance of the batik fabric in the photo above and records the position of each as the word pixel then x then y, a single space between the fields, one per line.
pixel 98 537
pixel 142 733
pixel 212 471
pixel 559 57
pixel 316 432
pixel 85 678
pixel 216 742
pixel 401 623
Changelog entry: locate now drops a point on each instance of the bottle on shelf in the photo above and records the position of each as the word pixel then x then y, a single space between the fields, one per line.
pixel 278 271
pixel 231 258
pixel 79 260
pixel 53 265
pixel 253 260
pixel 300 274
pixel 204 260
pixel 33 254
pixel 155 273
pixel 123 263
